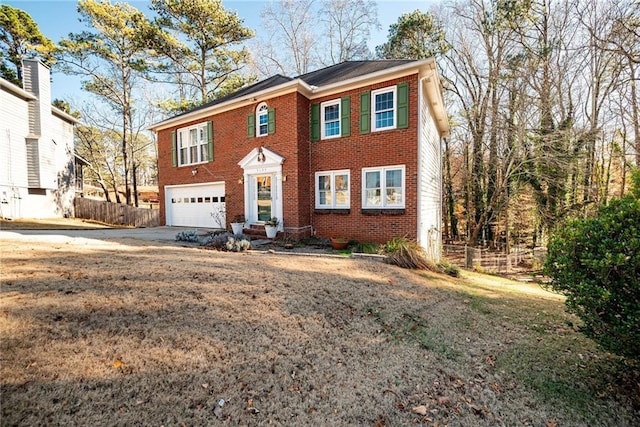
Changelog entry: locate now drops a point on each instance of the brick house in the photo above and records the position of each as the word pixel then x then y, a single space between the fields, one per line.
pixel 351 150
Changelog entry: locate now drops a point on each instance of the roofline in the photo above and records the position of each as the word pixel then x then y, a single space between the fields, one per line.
pixel 63 115
pixel 248 99
pixel 425 68
pixel 17 90
pixel 433 88
pixel 402 70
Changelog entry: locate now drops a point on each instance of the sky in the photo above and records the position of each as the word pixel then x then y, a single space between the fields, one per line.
pixel 57 18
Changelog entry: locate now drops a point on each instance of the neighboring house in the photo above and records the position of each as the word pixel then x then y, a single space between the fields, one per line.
pixel 38 170
pixel 351 150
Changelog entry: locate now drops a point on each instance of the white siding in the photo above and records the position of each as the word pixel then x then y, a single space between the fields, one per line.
pixel 14 126
pixel 429 181
pixel 52 194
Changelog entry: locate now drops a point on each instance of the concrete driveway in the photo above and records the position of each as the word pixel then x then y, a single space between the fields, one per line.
pixel 157 234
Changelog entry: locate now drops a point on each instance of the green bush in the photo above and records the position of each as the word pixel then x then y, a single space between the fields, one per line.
pixel 596 263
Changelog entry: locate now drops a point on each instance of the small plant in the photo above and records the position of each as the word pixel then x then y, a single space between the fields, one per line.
pixel 447 268
pixel 407 253
pixel 188 236
pixel 272 221
pixel 367 248
pixel 237 245
pixel 218 216
pixel 228 242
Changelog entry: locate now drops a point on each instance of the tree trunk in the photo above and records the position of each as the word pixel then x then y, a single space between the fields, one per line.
pixel 452 232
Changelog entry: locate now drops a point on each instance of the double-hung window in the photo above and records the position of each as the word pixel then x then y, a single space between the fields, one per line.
pixel 262 122
pixel 384 103
pixel 332 190
pixel 383 187
pixel 330 118
pixel 193 145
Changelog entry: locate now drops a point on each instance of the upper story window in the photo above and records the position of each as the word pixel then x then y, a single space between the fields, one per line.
pixel 384 108
pixel 330 118
pixel 383 187
pixel 193 144
pixel 262 120
pixel 332 190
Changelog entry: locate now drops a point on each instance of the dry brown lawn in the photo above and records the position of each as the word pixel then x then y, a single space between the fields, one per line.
pixel 135 333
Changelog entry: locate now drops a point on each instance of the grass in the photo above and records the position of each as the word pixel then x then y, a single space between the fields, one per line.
pixel 126 333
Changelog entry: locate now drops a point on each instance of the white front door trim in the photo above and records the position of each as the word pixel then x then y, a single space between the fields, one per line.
pixel 259 162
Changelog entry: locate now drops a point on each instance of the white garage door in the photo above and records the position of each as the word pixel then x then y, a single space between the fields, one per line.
pixel 192 205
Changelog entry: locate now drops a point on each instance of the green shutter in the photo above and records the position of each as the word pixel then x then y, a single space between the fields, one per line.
pixel 210 140
pixel 315 122
pixel 345 113
pixel 174 149
pixel 402 113
pixel 251 126
pixel 271 121
pixel 365 112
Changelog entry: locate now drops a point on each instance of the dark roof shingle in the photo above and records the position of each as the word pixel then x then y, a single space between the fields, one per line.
pixel 349 70
pixel 324 76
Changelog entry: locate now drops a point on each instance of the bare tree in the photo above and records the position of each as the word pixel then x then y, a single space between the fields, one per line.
pixel 288 48
pixel 348 25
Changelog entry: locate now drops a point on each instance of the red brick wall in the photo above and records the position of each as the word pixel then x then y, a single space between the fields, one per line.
pixel 384 148
pixel 303 158
pixel 231 144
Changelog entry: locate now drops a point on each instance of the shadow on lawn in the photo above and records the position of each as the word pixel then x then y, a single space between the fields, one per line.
pixel 158 335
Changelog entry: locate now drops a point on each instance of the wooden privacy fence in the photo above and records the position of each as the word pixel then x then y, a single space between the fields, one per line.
pixel 115 213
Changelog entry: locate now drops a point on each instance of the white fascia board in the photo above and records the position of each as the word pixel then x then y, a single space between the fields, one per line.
pixel 16 90
pixel 422 66
pixel 433 90
pixel 64 116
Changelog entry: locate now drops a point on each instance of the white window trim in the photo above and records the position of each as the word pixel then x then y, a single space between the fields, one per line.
pixel 322 121
pixel 183 134
pixel 260 113
pixel 333 174
pixel 383 187
pixel 393 89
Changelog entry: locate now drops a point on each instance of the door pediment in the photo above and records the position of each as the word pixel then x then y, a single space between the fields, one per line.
pixel 260 158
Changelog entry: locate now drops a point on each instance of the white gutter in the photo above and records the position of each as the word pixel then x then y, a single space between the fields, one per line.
pixel 16 90
pixel 68 117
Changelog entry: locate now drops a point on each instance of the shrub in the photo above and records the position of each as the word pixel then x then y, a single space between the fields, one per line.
pixel 446 267
pixel 187 236
pixel 228 242
pixel 366 248
pixel 407 254
pixel 596 263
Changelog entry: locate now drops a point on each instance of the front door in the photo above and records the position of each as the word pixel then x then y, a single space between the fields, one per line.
pixel 264 200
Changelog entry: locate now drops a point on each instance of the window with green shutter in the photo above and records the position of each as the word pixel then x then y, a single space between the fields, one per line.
pixel 365 112
pixel 345 119
pixel 403 105
pixel 251 126
pixel 315 122
pixel 174 149
pixel 193 144
pixel 271 121
pixel 210 140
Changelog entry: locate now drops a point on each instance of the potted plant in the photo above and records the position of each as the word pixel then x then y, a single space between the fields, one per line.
pixel 271 227
pixel 237 225
pixel 339 243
